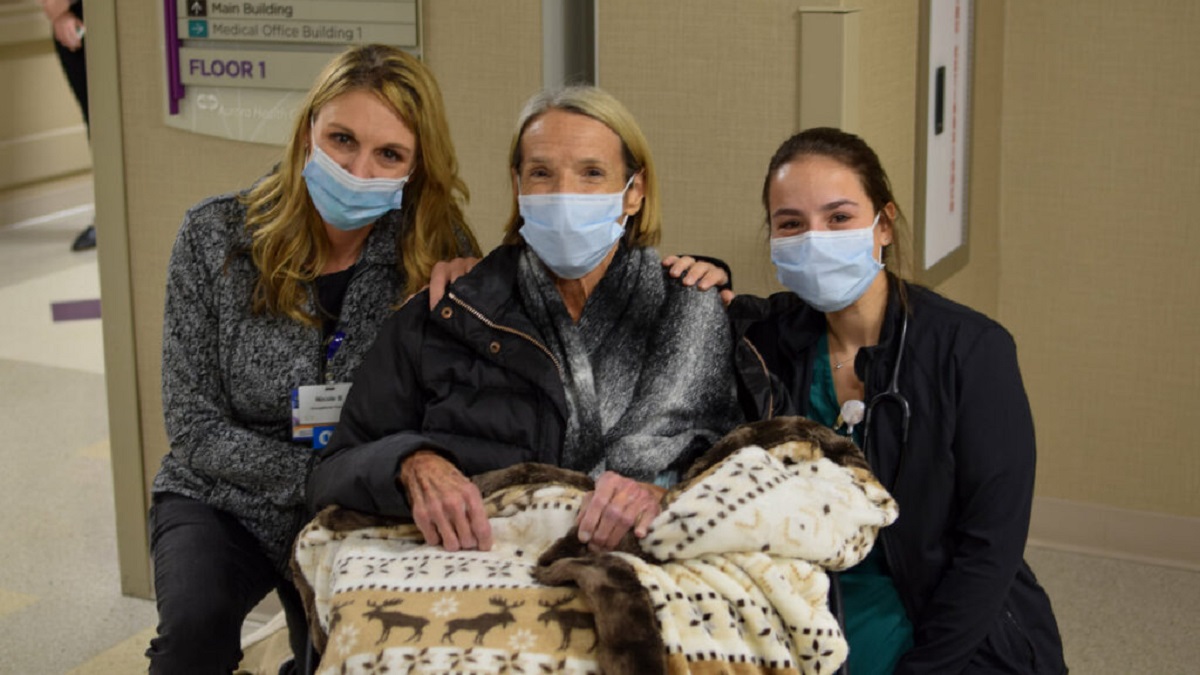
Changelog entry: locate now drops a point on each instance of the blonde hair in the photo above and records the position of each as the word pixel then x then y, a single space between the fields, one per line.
pixel 643 228
pixel 289 245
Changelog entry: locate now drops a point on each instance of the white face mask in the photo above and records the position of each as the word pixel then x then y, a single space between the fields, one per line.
pixel 571 233
pixel 828 269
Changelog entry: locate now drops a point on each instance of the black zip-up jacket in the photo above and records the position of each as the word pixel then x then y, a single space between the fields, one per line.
pixel 964 480
pixel 472 381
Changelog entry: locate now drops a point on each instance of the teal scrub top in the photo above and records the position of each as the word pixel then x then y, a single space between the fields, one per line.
pixel 877 628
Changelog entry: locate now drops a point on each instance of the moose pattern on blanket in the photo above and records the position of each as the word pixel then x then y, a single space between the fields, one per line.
pixel 732 577
pixel 384 601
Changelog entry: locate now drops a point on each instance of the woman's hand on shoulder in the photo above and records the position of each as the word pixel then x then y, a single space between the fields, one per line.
pixel 446 506
pixel 616 506
pixel 444 273
pixel 699 273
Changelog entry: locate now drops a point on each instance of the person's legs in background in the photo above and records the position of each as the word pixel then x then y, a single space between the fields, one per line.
pixel 74 65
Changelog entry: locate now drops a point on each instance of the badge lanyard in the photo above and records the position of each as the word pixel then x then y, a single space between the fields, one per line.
pixel 317 407
pixel 331 350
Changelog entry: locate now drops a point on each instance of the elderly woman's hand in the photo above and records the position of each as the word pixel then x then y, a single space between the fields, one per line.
pixel 699 273
pixel 617 505
pixel 446 505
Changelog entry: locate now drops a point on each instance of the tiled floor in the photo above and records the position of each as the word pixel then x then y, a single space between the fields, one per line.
pixel 61 610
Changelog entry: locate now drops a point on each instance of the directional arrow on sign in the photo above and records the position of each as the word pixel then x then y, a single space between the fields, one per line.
pixel 198 8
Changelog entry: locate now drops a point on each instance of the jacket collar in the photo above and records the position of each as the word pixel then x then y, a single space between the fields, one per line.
pixel 804 324
pixel 491 286
pixel 800 326
pixel 490 289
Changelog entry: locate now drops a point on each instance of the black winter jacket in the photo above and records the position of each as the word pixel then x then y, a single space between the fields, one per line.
pixel 964 480
pixel 472 381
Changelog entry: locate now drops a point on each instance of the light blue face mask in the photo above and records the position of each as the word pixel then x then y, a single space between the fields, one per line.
pixel 571 233
pixel 828 269
pixel 344 200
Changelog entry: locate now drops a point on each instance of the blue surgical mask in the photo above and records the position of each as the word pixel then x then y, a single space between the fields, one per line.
pixel 571 233
pixel 344 200
pixel 828 269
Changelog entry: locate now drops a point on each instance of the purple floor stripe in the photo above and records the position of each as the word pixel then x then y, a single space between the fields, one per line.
pixel 75 310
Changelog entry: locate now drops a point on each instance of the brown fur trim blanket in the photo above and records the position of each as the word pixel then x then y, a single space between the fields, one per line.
pixel 730 579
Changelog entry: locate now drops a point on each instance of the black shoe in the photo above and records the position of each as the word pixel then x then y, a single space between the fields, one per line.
pixel 86 240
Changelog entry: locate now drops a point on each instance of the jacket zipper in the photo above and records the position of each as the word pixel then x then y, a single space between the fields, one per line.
pixel 763 364
pixel 1021 631
pixel 513 331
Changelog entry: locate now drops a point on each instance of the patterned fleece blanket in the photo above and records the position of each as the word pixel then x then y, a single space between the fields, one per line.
pixel 731 579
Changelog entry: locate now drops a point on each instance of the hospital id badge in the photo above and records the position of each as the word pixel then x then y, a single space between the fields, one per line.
pixel 316 405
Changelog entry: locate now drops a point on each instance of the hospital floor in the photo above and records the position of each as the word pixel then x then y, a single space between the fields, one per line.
pixel 61 608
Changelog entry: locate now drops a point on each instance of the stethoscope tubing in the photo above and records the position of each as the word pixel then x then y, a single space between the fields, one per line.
pixel 892 393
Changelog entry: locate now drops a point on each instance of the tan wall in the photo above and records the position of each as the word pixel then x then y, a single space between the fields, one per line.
pixel 42 135
pixel 1099 278
pixel 717 91
pixel 488 60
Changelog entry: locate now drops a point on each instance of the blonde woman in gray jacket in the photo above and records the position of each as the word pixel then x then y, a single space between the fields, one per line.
pixel 274 295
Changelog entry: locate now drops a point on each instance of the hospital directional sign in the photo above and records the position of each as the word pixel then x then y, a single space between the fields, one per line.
pixel 250 68
pixel 269 52
pixel 308 21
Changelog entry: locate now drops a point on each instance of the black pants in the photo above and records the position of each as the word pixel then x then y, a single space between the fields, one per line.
pixel 209 572
pixel 74 66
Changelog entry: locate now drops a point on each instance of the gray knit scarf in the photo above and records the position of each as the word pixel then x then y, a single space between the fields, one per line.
pixel 648 368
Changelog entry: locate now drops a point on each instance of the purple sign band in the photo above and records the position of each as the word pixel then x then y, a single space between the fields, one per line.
pixel 174 86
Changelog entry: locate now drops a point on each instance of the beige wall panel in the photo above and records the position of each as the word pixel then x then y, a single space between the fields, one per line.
pixel 22 22
pixel 44 156
pixel 45 101
pixel 488 60
pixel 42 135
pixel 1099 279
pixel 715 89
pixel 888 96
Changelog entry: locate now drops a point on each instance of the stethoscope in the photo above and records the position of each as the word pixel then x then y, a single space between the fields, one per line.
pixel 891 394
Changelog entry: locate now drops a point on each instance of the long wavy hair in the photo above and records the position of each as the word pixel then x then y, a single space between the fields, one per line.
pixel 290 247
pixel 644 228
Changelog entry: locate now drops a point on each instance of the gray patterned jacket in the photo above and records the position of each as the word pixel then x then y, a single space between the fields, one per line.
pixel 228 374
